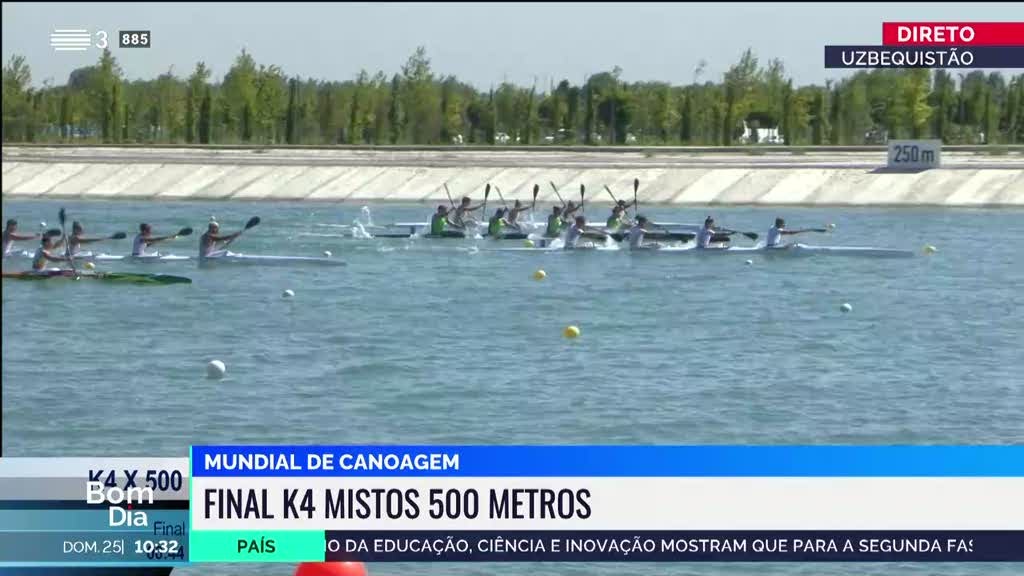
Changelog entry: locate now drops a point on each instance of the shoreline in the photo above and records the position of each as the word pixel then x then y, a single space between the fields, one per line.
pixel 669 176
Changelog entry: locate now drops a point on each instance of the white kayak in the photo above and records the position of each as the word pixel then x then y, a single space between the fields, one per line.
pixel 101 256
pixel 225 257
pixel 791 250
pixel 787 250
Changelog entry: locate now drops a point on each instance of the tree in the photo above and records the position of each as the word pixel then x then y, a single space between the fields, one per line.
pixel 196 90
pixel 818 120
pixel 205 117
pixel 293 94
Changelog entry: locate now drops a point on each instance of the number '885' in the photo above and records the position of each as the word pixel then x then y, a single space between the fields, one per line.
pixel 134 39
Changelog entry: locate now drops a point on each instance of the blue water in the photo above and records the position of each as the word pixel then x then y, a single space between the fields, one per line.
pixel 434 342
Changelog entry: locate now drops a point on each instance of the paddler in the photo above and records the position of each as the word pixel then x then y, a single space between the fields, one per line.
pixel 707 233
pixel 78 237
pixel 512 217
pixel 618 219
pixel 636 235
pixel 458 219
pixel 497 223
pixel 578 228
pixel 11 235
pixel 555 223
pixel 208 241
pixel 46 252
pixel 439 221
pixel 776 232
pixel 558 219
pixel 145 238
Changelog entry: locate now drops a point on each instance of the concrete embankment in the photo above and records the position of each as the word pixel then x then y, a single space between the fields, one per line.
pixel 670 176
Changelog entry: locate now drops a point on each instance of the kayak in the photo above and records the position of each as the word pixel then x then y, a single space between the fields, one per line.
pixel 122 277
pixel 103 257
pixel 787 250
pixel 224 257
pixel 791 250
pixel 228 257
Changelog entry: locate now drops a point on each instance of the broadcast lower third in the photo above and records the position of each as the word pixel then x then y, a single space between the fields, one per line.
pixel 70 39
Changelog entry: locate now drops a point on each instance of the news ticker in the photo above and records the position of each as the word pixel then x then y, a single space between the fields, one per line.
pixel 936 45
pixel 516 504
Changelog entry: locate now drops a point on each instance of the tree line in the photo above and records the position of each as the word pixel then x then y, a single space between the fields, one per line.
pixel 260 104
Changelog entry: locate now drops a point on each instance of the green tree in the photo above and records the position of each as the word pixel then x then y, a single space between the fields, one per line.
pixel 205 117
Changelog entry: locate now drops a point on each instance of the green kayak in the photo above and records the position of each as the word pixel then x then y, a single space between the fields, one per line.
pixel 122 277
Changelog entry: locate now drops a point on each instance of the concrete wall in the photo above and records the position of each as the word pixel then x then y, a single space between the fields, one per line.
pixel 416 175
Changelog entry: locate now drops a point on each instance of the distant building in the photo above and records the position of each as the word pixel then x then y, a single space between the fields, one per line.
pixel 761 135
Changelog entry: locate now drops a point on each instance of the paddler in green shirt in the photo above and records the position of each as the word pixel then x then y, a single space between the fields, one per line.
pixel 439 221
pixel 617 220
pixel 496 226
pixel 559 219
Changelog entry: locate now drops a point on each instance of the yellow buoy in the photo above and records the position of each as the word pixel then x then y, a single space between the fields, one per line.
pixel 571 332
pixel 90 266
pixel 528 243
pixel 540 275
pixel 929 249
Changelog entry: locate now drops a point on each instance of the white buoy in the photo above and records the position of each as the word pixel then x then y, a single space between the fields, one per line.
pixel 288 294
pixel 42 224
pixel 749 262
pixel 327 253
pixel 929 249
pixel 831 226
pixel 846 307
pixel 215 370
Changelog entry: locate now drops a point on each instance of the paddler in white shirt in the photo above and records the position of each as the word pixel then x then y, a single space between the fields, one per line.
pixel 636 235
pixel 776 232
pixel 706 233
pixel 572 235
pixel 512 217
pixel 459 218
pixel 209 240
pixel 11 236
pixel 145 238
pixel 78 238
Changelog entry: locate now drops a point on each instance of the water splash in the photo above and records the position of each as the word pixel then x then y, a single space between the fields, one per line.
pixel 358 231
pixel 366 218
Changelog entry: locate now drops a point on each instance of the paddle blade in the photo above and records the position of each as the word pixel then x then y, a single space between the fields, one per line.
pixel 636 185
pixel 119 236
pixel 536 190
pixel 582 189
pixel 750 235
pixel 63 217
pixel 252 222
pixel 186 231
pixel 487 189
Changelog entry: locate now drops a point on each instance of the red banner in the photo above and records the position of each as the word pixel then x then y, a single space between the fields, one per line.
pixel 953 33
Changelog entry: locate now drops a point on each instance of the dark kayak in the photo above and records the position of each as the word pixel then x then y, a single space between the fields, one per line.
pixel 120 277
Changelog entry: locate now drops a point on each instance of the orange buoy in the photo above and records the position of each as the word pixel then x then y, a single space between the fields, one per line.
pixel 331 569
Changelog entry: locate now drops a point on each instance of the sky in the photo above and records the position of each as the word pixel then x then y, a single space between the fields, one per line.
pixel 480 43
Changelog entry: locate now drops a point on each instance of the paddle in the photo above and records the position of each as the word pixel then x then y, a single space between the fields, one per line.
pixel 583 208
pixel 636 203
pixel 536 190
pixel 750 235
pixel 502 198
pixel 118 236
pixel 612 194
pixel 254 221
pixel 555 188
pixel 448 192
pixel 186 231
pixel 67 243
pixel 487 192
